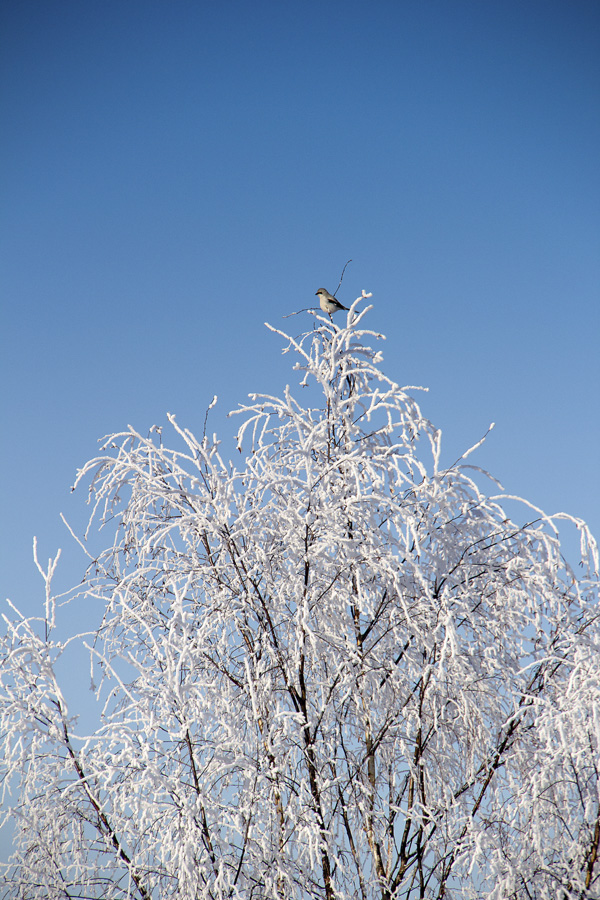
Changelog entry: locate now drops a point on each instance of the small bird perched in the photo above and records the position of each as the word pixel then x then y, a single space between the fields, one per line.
pixel 328 302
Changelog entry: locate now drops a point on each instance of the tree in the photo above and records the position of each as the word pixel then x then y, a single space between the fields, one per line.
pixel 338 671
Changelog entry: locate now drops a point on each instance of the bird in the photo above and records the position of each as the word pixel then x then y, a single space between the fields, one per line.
pixel 328 302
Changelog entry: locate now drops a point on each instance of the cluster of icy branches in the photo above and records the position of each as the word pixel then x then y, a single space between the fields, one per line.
pixel 338 671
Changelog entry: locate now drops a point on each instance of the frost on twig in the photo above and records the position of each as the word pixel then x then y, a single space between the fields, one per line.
pixel 336 670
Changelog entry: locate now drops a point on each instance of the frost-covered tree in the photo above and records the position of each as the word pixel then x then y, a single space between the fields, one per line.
pixel 334 670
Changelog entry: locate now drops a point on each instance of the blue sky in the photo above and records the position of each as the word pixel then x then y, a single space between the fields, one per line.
pixel 176 173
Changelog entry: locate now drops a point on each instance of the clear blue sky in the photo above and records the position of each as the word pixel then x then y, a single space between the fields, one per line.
pixel 176 173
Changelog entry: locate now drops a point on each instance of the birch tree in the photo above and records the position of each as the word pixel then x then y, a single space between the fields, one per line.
pixel 333 668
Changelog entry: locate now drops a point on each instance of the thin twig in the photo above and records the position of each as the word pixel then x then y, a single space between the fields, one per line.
pixel 208 409
pixel 342 277
pixel 308 309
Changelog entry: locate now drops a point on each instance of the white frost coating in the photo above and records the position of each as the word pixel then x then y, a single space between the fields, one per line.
pixel 340 671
